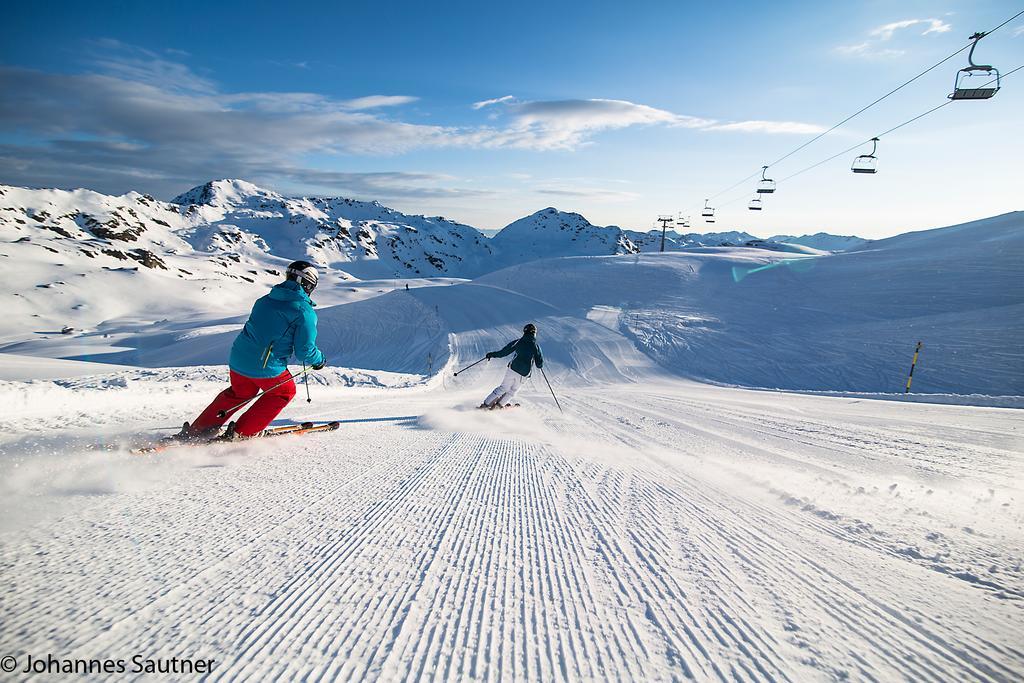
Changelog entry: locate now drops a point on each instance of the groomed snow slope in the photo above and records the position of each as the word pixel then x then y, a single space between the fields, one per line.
pixel 418 331
pixel 656 531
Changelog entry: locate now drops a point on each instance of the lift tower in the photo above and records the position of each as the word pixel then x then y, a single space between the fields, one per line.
pixel 664 220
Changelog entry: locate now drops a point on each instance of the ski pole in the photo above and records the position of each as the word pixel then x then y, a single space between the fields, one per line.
pixel 224 413
pixel 305 381
pixel 471 365
pixel 545 376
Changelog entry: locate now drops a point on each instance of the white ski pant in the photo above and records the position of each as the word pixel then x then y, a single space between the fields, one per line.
pixel 506 391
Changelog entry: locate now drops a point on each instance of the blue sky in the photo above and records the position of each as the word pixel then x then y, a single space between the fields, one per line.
pixel 485 112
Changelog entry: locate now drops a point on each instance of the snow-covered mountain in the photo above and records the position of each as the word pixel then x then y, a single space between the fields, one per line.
pixel 550 233
pixel 73 259
pixel 731 238
pixel 824 241
pixel 651 240
pixel 674 241
pixel 365 239
pixel 789 247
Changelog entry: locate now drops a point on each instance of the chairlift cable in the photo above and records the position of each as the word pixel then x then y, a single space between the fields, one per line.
pixel 1005 22
pixel 864 109
pixel 862 143
pixel 846 120
pixel 881 135
pixel 737 184
pixel 892 92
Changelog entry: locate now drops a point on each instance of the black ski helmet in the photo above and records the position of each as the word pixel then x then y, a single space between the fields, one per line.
pixel 304 273
pixel 529 328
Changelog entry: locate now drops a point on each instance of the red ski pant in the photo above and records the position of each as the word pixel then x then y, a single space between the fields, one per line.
pixel 260 414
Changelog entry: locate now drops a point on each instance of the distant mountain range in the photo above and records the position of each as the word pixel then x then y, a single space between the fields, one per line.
pixel 225 235
pixel 675 241
pixel 235 221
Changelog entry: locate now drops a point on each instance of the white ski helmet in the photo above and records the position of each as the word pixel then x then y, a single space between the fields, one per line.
pixel 304 273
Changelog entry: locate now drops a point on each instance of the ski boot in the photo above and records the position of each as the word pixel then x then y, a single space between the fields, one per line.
pixel 188 434
pixel 230 434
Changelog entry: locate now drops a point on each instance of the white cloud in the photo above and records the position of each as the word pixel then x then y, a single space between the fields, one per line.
pixel 568 124
pixel 133 63
pixel 592 194
pixel 771 127
pixel 595 114
pixel 937 26
pixel 75 129
pixel 377 101
pixel 856 49
pixel 886 31
pixel 497 100
pixel 145 117
pixel 1019 31
pixel 873 48
pixel 869 51
pixel 380 185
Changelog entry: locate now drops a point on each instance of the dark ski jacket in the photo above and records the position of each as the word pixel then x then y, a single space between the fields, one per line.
pixel 527 353
pixel 282 323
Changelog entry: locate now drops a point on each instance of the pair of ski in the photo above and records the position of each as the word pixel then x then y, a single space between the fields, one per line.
pixel 174 441
pixel 497 407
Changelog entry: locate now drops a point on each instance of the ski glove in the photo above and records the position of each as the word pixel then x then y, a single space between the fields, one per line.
pixel 320 365
pixel 490 355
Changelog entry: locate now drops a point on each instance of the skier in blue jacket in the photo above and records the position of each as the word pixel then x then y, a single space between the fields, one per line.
pixel 281 324
pixel 527 353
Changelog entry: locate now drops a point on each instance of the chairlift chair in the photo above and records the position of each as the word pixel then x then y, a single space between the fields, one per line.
pixel 766 185
pixel 969 75
pixel 867 163
pixel 708 213
pixel 755 204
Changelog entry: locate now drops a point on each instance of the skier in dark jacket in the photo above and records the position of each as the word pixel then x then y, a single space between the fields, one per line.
pixel 527 354
pixel 281 324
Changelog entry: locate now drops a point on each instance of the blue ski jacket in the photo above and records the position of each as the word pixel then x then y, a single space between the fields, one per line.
pixel 527 353
pixel 281 323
